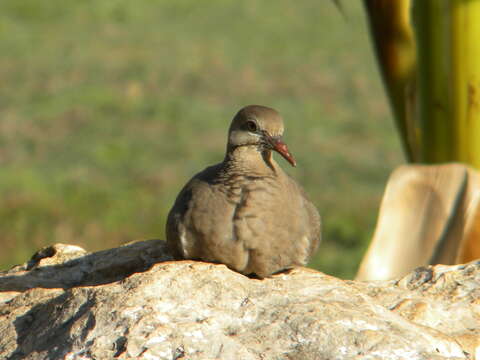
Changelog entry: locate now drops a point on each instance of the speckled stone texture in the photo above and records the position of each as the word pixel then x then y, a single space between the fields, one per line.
pixel 133 303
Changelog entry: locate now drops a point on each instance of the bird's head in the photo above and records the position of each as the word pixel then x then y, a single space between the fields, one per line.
pixel 259 126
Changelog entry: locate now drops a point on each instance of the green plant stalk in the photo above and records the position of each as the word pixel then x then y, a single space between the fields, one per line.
pixel 392 36
pixel 465 70
pixel 448 47
pixel 437 131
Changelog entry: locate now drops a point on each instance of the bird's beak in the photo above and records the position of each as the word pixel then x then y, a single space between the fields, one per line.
pixel 279 146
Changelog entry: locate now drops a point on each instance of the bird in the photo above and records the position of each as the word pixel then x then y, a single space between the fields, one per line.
pixel 246 212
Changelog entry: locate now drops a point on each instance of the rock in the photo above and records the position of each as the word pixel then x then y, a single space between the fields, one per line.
pixel 132 303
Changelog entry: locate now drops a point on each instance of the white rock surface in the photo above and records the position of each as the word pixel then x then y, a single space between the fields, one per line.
pixel 130 303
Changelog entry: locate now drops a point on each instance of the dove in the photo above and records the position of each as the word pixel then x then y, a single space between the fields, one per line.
pixel 246 212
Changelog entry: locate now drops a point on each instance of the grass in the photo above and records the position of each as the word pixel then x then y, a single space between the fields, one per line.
pixel 108 107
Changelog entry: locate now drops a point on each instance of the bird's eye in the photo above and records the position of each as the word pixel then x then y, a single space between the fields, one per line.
pixel 251 126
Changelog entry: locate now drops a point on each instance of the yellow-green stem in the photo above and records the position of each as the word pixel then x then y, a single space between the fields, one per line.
pixel 465 45
pixel 448 48
pixel 437 138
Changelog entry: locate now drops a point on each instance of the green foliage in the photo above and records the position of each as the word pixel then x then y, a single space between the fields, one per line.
pixel 108 107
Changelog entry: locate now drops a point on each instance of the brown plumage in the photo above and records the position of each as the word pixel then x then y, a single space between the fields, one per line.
pixel 246 212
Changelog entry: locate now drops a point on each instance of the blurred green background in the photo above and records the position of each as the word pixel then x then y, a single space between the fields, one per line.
pixel 108 107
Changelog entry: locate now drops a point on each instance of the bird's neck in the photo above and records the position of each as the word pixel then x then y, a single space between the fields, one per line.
pixel 250 159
